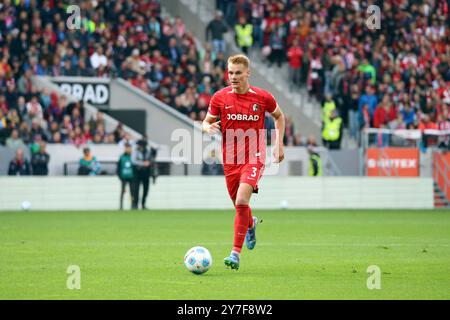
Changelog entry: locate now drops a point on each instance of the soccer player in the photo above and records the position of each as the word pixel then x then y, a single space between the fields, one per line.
pixel 241 108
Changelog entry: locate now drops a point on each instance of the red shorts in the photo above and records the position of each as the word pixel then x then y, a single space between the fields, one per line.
pixel 243 173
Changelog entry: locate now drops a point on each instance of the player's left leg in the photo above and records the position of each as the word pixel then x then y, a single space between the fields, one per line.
pixel 251 175
pixel 250 216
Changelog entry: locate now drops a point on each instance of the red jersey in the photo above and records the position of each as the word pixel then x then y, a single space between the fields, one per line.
pixel 246 112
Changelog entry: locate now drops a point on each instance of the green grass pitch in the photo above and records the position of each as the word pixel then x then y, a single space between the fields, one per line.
pixel 311 254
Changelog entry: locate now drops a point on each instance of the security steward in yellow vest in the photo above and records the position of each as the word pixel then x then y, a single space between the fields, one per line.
pixel 315 163
pixel 332 131
pixel 244 34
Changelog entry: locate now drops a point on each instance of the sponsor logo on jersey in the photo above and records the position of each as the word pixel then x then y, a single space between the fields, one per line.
pixel 243 117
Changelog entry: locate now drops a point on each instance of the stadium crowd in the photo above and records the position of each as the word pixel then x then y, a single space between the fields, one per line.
pixel 128 39
pixel 395 76
pixel 34 40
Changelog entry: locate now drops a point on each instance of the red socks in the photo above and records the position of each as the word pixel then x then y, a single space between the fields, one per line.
pixel 241 222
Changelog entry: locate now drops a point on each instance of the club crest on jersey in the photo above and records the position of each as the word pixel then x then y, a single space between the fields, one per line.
pixel 255 107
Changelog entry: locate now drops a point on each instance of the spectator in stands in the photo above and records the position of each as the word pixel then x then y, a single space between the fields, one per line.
pixel 409 115
pixel 215 31
pixel 67 69
pixel 11 94
pixel 289 131
pixel 295 57
pixel 56 137
pixel 299 140
pixel 34 109
pixel 370 99
pixel 13 118
pixel 37 132
pixel 353 111
pixel 174 52
pixel 277 44
pixel 383 114
pixel 3 104
pixel 126 139
pixel 426 123
pixel 25 84
pixel 398 123
pixel 45 98
pixel 229 8
pixel 88 164
pixel 81 69
pixel 220 61
pixel 40 160
pixel 256 18
pixel 19 165
pixel 368 70
pixel 3 126
pixel 244 35
pixel 135 63
pixel 98 58
pixel 315 81
pixel 14 141
pixel 24 132
pixel 22 109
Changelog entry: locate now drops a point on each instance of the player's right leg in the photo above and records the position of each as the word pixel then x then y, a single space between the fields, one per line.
pixel 241 223
pixel 232 261
pixel 250 238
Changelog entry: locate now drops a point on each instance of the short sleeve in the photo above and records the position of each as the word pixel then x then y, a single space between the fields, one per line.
pixel 214 105
pixel 271 103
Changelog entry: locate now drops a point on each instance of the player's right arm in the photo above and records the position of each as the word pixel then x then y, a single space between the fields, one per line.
pixel 210 124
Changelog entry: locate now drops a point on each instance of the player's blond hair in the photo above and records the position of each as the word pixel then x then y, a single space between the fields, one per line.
pixel 239 59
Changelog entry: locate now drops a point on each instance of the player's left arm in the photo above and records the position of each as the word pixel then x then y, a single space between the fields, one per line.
pixel 278 152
